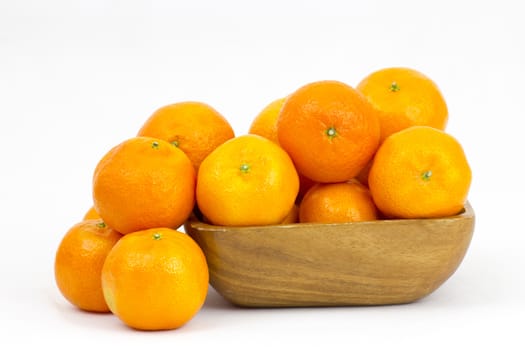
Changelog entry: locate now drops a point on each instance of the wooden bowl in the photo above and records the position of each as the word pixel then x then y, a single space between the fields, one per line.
pixel 366 263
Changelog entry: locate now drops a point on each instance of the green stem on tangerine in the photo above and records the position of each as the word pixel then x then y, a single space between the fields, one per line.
pixel 394 87
pixel 155 145
pixel 175 143
pixel 101 224
pixel 331 132
pixel 426 175
pixel 157 236
pixel 244 168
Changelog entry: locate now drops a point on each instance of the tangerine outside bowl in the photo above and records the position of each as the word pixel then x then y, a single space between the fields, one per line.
pixel 365 263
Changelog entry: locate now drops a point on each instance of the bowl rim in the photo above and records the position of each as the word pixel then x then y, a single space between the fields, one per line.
pixel 196 224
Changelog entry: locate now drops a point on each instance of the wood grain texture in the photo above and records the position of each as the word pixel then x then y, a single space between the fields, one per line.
pixel 368 263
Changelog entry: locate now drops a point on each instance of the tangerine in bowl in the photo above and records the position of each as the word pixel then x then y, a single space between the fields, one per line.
pixel 378 262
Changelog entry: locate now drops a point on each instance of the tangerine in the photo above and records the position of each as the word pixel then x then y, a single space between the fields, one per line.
pixel 404 97
pixel 142 183
pixel 337 202
pixel 420 172
pixel 329 130
pixel 155 279
pixel 248 180
pixel 79 260
pixel 91 213
pixel 195 127
pixel 265 123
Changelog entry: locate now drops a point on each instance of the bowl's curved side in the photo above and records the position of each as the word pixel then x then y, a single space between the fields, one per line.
pixel 369 263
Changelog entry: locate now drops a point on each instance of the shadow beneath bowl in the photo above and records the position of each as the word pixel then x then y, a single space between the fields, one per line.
pixel 215 301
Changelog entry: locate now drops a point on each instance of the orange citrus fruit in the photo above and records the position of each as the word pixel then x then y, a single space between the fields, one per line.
pixel 143 183
pixel 78 263
pixel 248 180
pixel 420 172
pixel 194 127
pixel 91 214
pixel 155 279
pixel 329 130
pixel 404 97
pixel 293 216
pixel 265 123
pixel 337 202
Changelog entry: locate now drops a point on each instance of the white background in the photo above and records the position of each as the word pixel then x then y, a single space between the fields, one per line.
pixel 79 77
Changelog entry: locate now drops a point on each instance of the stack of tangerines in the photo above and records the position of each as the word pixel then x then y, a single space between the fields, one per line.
pixel 326 153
